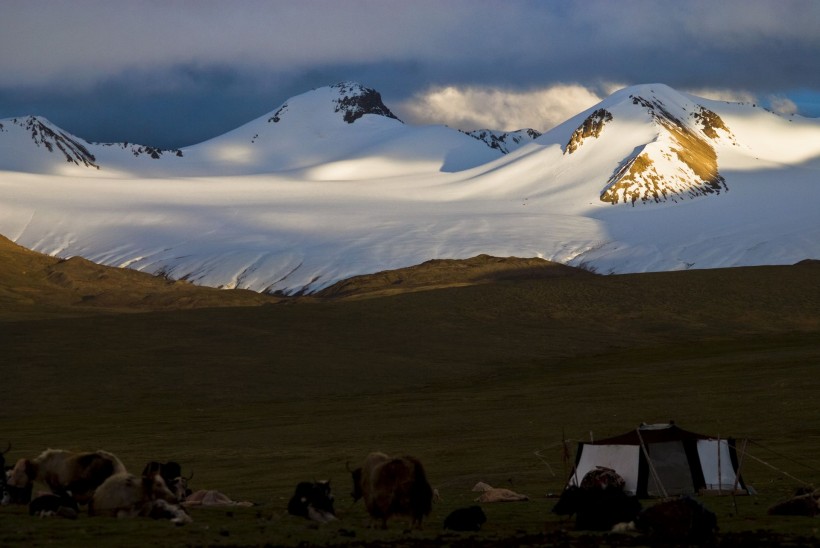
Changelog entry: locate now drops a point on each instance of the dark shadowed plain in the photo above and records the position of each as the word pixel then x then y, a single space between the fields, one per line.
pixel 482 379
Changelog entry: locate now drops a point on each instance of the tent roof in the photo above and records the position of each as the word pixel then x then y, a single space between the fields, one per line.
pixel 651 433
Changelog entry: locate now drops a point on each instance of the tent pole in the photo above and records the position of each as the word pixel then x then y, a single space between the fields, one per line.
pixel 720 478
pixel 737 474
pixel 651 466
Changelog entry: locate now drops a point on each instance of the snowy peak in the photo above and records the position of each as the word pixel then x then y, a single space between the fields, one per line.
pixel 52 139
pixel 34 144
pixel 356 100
pixel 350 99
pixel 338 132
pixel 678 162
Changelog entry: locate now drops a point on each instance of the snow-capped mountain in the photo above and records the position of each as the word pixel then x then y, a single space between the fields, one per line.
pixel 331 184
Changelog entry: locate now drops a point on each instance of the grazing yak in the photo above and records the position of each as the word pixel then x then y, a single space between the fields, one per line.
pixel 393 486
pixel 125 495
pixel 600 503
pixel 313 501
pixel 465 519
pixel 171 472
pixel 62 471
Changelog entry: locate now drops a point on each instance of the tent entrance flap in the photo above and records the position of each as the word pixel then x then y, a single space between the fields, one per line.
pixel 672 467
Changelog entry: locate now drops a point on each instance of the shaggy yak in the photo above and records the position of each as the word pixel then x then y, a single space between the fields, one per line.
pixel 599 503
pixel 125 495
pixel 65 471
pixel 393 486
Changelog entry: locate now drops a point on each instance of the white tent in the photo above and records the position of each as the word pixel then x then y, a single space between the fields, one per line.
pixel 662 460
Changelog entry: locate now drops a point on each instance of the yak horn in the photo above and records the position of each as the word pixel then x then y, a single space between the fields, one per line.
pixel 189 478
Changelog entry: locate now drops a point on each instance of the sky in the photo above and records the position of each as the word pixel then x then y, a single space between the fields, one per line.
pixel 174 73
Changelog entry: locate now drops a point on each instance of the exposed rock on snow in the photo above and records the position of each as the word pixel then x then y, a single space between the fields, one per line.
pixel 507 141
pixel 591 127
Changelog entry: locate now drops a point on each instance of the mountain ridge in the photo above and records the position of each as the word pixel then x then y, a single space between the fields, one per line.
pixel 649 179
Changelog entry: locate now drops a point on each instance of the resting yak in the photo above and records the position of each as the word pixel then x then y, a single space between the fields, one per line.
pixel 313 501
pixel 66 471
pixel 466 519
pixel 125 495
pixel 63 506
pixel 171 472
pixel 393 486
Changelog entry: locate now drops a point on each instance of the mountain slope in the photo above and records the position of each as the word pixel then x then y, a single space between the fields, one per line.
pixel 35 285
pixel 331 185
pixel 341 131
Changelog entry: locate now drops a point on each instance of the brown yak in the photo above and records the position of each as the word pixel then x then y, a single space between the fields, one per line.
pixel 66 472
pixel 393 486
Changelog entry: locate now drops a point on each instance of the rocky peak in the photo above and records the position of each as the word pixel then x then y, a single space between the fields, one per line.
pixel 351 99
pixel 52 139
pixel 356 100
pixel 685 148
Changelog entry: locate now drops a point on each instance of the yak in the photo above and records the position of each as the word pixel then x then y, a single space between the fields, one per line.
pixel 679 520
pixel 393 486
pixel 313 501
pixel 171 472
pixel 66 471
pixel 804 502
pixel 125 495
pixel 599 503
pixel 62 505
pixel 470 518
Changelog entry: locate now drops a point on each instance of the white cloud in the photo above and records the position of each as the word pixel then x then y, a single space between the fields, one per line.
pixel 782 105
pixel 474 107
pixel 731 95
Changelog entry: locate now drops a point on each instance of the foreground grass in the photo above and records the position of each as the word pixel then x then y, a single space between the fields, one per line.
pixel 482 383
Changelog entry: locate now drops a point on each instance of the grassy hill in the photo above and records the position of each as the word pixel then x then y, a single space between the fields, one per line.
pixel 478 368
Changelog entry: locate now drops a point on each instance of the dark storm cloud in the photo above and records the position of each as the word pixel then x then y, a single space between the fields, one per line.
pixel 174 73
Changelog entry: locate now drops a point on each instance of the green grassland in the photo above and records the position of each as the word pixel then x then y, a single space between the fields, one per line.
pixel 482 381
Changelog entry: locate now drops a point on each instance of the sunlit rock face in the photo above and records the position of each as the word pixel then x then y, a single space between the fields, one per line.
pixel 679 164
pixel 592 127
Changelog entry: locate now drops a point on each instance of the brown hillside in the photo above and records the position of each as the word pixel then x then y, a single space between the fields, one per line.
pixel 33 284
pixel 440 273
